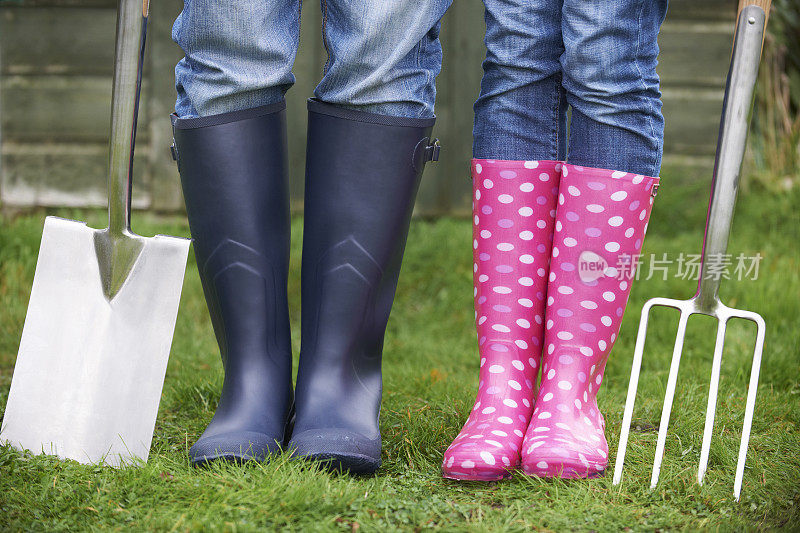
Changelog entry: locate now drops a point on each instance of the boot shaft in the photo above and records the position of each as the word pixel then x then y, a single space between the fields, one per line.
pixel 234 175
pixel 601 220
pixel 362 176
pixel 600 227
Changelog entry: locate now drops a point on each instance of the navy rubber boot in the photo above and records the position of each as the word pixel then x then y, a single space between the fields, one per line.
pixel 234 174
pixel 362 175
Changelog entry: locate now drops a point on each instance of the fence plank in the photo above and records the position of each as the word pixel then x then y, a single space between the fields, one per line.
pixel 162 55
pixel 57 41
pixel 56 108
pixel 311 57
pixel 707 10
pixel 71 175
pixel 695 54
pixel 38 4
pixel 446 185
pixel 692 120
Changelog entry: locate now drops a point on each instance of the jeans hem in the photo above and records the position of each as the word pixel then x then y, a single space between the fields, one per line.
pixel 554 161
pixel 628 175
pixel 317 106
pixel 224 118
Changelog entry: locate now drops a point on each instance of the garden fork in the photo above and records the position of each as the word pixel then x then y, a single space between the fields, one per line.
pixel 730 151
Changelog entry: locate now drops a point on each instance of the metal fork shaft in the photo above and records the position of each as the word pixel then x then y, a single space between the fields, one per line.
pixel 672 380
pixel 751 400
pixel 711 409
pixel 633 385
pixel 730 151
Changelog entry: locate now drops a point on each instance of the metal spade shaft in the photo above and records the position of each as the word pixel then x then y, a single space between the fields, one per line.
pixel 118 247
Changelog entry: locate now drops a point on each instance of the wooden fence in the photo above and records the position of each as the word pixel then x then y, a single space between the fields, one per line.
pixel 55 90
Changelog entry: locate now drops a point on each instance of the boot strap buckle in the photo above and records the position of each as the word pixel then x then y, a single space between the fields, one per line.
pixel 432 151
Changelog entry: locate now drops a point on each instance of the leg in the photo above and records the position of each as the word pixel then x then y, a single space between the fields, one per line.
pixel 600 225
pixel 234 174
pixel 519 115
pixel 609 63
pixel 239 55
pixel 362 174
pixel 609 73
pixel 233 164
pixel 521 111
pixel 383 56
pixel 512 235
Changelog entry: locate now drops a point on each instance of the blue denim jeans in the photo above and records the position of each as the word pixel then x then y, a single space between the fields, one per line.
pixel 597 57
pixel 383 55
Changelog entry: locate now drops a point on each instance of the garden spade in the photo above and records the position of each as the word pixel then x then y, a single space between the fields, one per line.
pixel 93 355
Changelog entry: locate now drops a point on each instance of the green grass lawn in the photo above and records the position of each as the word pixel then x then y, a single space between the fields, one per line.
pixel 429 383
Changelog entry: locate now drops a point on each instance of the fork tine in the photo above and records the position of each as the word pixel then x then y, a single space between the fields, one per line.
pixel 751 399
pixel 711 410
pixel 667 409
pixel 633 384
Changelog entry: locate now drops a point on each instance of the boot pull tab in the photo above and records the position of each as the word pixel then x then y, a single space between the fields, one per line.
pixel 425 151
pixel 173 149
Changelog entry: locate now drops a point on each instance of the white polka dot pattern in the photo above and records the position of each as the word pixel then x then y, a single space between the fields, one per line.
pixel 602 214
pixel 514 215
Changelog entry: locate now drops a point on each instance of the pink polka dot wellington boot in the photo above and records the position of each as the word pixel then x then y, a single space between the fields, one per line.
pixel 514 208
pixel 600 224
